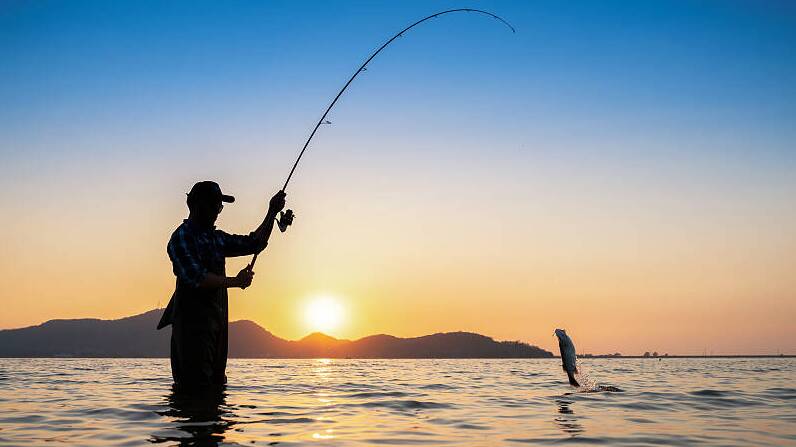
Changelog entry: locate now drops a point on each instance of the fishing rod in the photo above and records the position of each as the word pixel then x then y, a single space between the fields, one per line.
pixel 286 218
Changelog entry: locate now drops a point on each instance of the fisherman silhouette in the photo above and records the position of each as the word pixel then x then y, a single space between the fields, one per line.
pixel 198 309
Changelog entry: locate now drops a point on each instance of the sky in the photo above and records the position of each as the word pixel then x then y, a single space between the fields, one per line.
pixel 623 170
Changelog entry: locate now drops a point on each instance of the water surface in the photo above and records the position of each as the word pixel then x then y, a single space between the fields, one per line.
pixel 401 402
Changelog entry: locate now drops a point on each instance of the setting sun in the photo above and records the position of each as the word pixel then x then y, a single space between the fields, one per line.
pixel 323 313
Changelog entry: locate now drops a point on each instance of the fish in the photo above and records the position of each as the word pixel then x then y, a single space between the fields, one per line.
pixel 568 362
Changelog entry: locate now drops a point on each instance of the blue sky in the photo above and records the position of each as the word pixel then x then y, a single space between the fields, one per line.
pixel 616 65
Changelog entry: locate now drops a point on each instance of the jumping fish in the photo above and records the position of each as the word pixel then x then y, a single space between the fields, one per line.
pixel 567 349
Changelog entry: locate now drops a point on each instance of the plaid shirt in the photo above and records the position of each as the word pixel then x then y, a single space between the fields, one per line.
pixel 196 251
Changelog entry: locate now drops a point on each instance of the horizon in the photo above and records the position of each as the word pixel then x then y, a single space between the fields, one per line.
pixel 623 172
pixel 651 354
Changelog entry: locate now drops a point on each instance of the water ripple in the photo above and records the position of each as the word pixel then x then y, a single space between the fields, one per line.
pixel 92 402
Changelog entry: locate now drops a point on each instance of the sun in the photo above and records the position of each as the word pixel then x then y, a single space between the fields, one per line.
pixel 323 313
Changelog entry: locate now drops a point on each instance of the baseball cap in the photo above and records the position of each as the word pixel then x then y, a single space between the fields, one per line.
pixel 209 191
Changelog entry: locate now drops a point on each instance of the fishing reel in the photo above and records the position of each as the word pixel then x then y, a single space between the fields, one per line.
pixel 285 220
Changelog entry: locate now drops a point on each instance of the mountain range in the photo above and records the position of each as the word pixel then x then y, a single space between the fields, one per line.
pixel 136 336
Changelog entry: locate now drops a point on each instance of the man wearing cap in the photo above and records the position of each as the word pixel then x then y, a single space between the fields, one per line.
pixel 197 310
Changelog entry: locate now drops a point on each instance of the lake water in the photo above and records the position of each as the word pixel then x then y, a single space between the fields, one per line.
pixel 401 402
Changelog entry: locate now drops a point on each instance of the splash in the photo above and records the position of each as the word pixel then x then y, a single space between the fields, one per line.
pixel 589 385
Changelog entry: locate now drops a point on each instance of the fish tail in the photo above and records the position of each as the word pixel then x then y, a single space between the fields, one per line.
pixel 572 380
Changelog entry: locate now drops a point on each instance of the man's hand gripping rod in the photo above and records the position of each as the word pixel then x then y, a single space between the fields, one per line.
pixel 284 220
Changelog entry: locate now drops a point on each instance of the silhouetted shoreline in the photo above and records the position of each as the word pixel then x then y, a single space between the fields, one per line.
pixel 136 337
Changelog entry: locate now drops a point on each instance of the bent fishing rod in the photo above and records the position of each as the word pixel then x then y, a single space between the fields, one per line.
pixel 286 218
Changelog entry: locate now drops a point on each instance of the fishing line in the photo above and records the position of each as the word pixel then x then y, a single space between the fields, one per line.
pixel 285 222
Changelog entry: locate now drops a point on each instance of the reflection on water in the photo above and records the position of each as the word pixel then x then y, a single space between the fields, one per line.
pixel 566 419
pixel 202 415
pixel 98 402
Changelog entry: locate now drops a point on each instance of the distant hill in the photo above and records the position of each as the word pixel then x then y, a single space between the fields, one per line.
pixel 136 337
